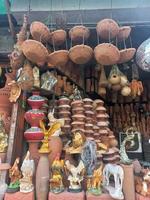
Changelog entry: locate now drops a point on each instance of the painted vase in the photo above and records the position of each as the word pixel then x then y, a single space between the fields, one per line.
pixel 36 101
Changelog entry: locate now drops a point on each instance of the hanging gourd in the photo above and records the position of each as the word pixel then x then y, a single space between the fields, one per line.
pixel 114 76
pixel 103 82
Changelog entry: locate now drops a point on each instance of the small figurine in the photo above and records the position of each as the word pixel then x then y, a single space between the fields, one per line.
pixel 118 173
pixel 56 182
pixel 89 156
pixel 78 141
pixel 76 94
pixel 3 136
pixel 15 91
pixel 27 170
pixel 36 75
pixel 129 138
pixel 14 175
pixel 75 175
pixel 48 80
pixel 94 183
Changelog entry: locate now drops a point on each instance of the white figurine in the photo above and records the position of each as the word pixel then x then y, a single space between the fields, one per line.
pixel 27 170
pixel 118 173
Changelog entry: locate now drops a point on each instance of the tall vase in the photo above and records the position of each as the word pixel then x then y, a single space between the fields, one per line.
pixel 42 177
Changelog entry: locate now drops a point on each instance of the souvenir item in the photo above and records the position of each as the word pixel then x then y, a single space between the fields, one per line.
pixel 106 54
pixel 94 183
pixel 123 33
pixel 126 91
pixel 27 170
pixel 118 173
pixel 115 75
pixel 75 176
pixel 79 33
pixel 56 180
pixel 58 58
pixel 103 82
pixel 15 91
pixel 88 156
pixel 3 136
pixel 36 75
pixel 48 80
pixel 58 37
pixel 14 175
pixel 136 88
pixel 126 55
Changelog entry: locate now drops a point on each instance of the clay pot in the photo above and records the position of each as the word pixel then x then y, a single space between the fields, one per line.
pixel 81 54
pixel 100 110
pixel 76 103
pixel 77 111
pixel 87 101
pixel 106 54
pixel 67 121
pixel 107 28
pixel 126 55
pixel 102 123
pixel 77 124
pixel 98 103
pixel 88 107
pixel 88 127
pixel 63 101
pixel 35 51
pixel 116 87
pixel 64 108
pixel 55 145
pixel 40 31
pixel 66 129
pixel 42 178
pixel 79 33
pixel 80 118
pixel 123 33
pixel 63 114
pixel 102 117
pixel 58 37
pixel 89 114
pixel 58 58
pixel 102 91
pixel 89 120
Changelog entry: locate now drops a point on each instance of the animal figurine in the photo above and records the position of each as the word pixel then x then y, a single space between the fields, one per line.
pixel 27 170
pixel 3 136
pixel 75 175
pixel 94 183
pixel 56 181
pixel 118 174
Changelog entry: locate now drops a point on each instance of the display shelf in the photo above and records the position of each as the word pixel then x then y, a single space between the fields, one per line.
pixel 67 195
pixel 100 197
pixel 19 196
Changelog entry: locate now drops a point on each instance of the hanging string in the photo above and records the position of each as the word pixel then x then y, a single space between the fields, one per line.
pixel 130 39
pixel 124 43
pixel 80 13
pixel 29 8
pixel 51 15
pixel 111 15
pixel 97 38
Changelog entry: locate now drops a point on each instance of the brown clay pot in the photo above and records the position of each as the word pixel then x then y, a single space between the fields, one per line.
pixel 123 33
pixel 107 28
pixel 80 118
pixel 88 107
pixel 63 114
pixel 40 31
pixel 89 114
pixel 106 54
pixel 98 103
pixel 81 54
pixel 78 33
pixel 126 55
pixel 63 101
pixel 88 127
pixel 76 103
pixel 77 124
pixel 100 110
pixel 58 58
pixel 64 108
pixel 67 121
pixel 89 120
pixel 87 101
pixel 78 111
pixel 58 37
pixel 35 51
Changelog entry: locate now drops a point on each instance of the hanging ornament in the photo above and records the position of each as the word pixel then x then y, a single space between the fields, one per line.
pixel 103 82
pixel 114 76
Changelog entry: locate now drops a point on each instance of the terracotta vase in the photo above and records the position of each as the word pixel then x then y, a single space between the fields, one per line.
pixel 56 146
pixel 42 178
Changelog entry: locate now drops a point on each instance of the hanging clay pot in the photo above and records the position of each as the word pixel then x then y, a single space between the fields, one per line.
pixel 114 76
pixel 81 54
pixel 40 31
pixel 126 55
pixel 102 80
pixel 58 37
pixel 58 58
pixel 126 91
pixel 123 33
pixel 107 28
pixel 35 51
pixel 106 54
pixel 79 33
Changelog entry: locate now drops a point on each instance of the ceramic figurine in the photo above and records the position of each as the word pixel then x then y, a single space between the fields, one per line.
pixel 129 138
pixel 94 183
pixel 15 91
pixel 118 174
pixel 36 75
pixel 89 157
pixel 14 175
pixel 76 94
pixel 27 170
pixel 56 181
pixel 3 136
pixel 48 80
pixel 75 176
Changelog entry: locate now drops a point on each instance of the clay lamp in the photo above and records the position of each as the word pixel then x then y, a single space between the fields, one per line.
pixel 35 51
pixel 78 33
pixel 126 55
pixel 106 54
pixel 67 121
pixel 107 28
pixel 123 33
pixel 81 54
pixel 40 31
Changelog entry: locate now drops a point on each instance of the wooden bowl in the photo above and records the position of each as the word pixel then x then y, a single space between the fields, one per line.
pixel 40 31
pixel 123 33
pixel 78 33
pixel 58 37
pixel 81 54
pixel 126 55
pixel 35 51
pixel 106 54
pixel 58 58
pixel 107 28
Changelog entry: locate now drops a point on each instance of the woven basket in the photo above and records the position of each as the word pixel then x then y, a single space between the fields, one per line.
pixel 78 33
pixel 40 32
pixel 126 55
pixel 107 28
pixel 58 58
pixel 35 51
pixel 58 37
pixel 81 54
pixel 123 33
pixel 106 54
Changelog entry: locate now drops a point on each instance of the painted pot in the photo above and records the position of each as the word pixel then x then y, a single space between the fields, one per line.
pixel 34 133
pixel 36 101
pixel 33 117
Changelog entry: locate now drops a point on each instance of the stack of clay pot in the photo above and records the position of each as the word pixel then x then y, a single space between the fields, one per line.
pixel 89 114
pixel 78 117
pixel 64 111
